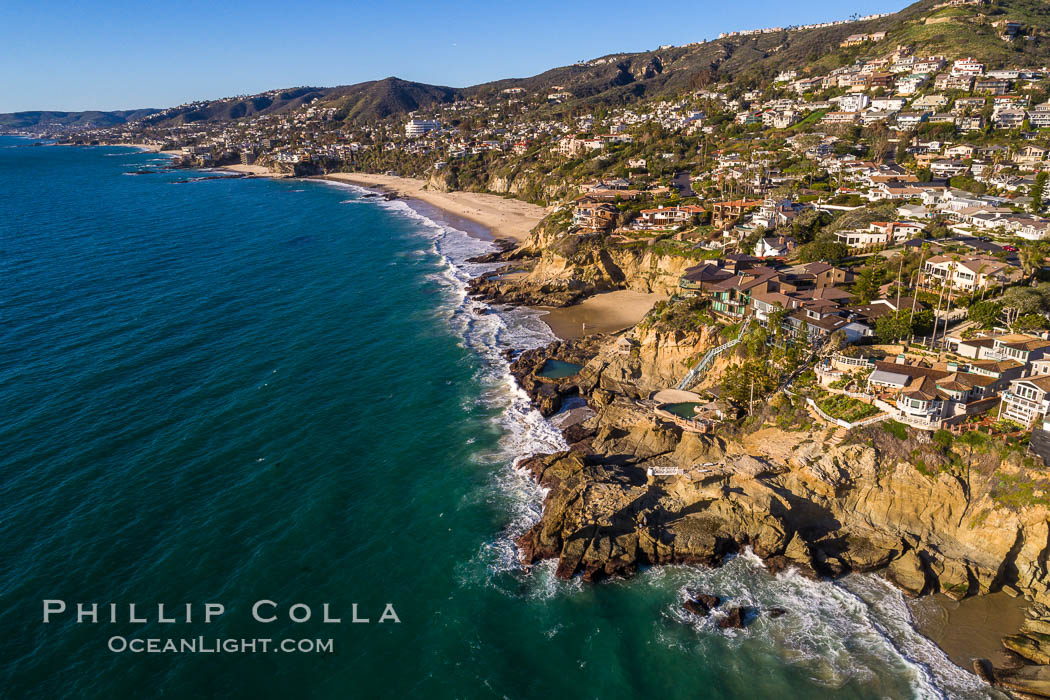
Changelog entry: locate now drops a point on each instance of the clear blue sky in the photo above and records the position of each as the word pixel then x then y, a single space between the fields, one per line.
pixel 118 55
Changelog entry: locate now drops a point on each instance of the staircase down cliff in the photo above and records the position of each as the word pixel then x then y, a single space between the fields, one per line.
pixel 635 490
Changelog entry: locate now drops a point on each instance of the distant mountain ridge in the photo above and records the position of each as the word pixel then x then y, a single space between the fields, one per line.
pixel 929 26
pixel 29 120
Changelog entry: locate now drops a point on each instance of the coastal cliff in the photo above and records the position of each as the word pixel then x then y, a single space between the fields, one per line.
pixel 562 269
pixel 635 489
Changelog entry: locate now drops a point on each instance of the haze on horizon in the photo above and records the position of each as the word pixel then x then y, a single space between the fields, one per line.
pixel 96 55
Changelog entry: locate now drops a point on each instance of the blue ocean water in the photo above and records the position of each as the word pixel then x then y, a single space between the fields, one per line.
pixel 243 389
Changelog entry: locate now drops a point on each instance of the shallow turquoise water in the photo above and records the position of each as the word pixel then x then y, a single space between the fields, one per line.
pixel 684 409
pixel 227 391
pixel 558 369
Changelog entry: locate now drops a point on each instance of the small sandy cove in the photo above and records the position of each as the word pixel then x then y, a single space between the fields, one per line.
pixel 602 313
pixel 503 216
pixel 252 170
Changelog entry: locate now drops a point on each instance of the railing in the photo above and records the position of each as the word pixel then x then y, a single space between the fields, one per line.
pixel 844 423
pixel 695 425
pixel 693 375
pixel 851 361
pixel 918 422
pixel 664 471
pixel 882 405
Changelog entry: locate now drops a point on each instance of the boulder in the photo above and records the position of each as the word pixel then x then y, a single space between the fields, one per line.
pixel 701 604
pixel 1030 680
pixel 737 618
pixel 1034 647
pixel 1036 626
pixel 908 573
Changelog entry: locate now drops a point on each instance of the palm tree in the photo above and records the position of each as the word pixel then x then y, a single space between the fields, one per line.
pixel 948 281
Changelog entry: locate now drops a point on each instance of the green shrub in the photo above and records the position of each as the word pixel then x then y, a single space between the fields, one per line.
pixel 846 408
pixel 896 429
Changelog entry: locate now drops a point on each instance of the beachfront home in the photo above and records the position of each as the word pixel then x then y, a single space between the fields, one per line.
pixel 1027 400
pixel 594 215
pixel 725 214
pixel 666 217
pixel 927 397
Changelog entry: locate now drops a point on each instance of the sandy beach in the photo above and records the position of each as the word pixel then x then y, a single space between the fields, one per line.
pixel 503 216
pixel 511 218
pixel 144 146
pixel 972 628
pixel 602 313
pixel 252 170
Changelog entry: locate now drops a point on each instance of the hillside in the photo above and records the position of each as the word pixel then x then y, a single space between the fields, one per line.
pixel 379 99
pixel 91 119
pixel 753 60
pixel 273 102
pixel 748 60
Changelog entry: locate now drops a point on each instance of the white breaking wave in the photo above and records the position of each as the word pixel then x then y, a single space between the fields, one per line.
pixel 489 331
pixel 849 631
pixel 858 629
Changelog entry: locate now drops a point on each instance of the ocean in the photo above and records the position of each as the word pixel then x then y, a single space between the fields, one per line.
pixel 233 390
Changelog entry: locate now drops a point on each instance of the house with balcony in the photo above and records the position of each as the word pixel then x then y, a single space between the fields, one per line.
pixel 1002 371
pixel 700 279
pixel 594 215
pixel 929 398
pixel 1027 400
pixel 1030 353
pixel 1039 116
pixel 732 297
pixel 667 217
pixel 1009 118
pixel 725 214
pixel 1019 347
pixel 967 273
pixel 879 233
pixel 967 66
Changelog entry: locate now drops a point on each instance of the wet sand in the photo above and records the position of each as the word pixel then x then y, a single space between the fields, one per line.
pixel 970 629
pixel 505 217
pixel 602 313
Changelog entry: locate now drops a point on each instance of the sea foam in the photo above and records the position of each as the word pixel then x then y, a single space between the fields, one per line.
pixel 838 632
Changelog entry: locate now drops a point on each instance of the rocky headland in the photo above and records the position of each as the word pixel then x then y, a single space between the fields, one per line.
pixel 636 489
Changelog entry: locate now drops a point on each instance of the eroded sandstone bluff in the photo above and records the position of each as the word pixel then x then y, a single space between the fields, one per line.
pixel 560 269
pixel 791 497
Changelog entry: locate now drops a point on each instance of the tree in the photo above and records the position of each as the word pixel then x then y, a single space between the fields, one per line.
pixel 805 226
pixel 903 324
pixel 824 248
pixel 1030 322
pixel 1038 191
pixel 968 184
pixel 893 327
pixel 1021 301
pixel 985 313
pixel 747 245
pixel 868 281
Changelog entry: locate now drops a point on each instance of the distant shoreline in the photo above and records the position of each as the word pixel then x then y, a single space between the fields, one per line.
pixel 491 217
